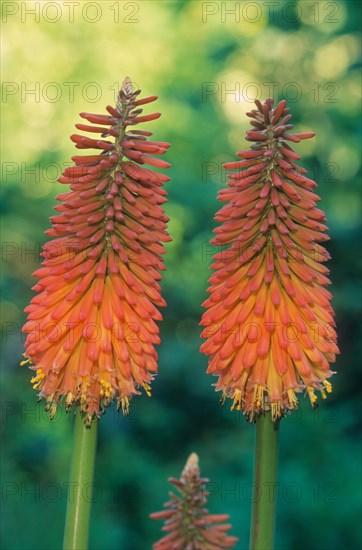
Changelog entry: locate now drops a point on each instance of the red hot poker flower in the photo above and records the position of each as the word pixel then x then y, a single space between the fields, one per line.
pixel 188 524
pixel 269 324
pixel 91 327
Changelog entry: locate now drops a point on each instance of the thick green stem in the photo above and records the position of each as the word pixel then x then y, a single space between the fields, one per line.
pixel 76 532
pixel 265 484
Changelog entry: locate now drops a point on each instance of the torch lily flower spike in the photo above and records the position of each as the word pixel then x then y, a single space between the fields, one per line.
pixel 91 328
pixel 269 325
pixel 188 524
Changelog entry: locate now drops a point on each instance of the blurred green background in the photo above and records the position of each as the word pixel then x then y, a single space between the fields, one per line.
pixel 206 61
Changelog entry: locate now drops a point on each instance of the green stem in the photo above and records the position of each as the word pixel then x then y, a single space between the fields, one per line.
pixel 76 532
pixel 265 484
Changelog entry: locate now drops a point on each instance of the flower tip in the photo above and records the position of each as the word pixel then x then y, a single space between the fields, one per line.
pixel 126 81
pixel 127 86
pixel 191 467
pixel 192 461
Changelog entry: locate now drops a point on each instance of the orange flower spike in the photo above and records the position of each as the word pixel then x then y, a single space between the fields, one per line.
pixel 269 326
pixel 91 330
pixel 187 522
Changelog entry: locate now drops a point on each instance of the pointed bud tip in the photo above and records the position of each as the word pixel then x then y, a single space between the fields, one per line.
pixel 191 469
pixel 192 463
pixel 127 81
pixel 127 86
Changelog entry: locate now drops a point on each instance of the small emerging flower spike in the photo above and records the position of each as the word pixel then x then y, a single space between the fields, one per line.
pixel 91 327
pixel 269 324
pixel 187 522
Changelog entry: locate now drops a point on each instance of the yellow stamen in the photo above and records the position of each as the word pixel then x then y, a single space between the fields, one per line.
pixel 275 411
pixel 83 403
pixel 51 406
pixel 124 403
pixel 147 389
pixel 258 399
pixel 328 386
pixel 37 380
pixel 106 389
pixel 312 396
pixel 292 398
pixel 26 360
pixel 69 399
pixel 236 400
pixel 52 410
pixel 84 396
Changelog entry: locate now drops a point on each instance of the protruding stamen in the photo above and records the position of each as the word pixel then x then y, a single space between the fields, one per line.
pixel 237 398
pixel 276 411
pixel 293 401
pixel 124 404
pixel 38 380
pixel 258 399
pixel 69 400
pixel 106 389
pixel 312 396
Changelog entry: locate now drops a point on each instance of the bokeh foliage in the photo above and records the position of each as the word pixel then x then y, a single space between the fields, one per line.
pixel 193 55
